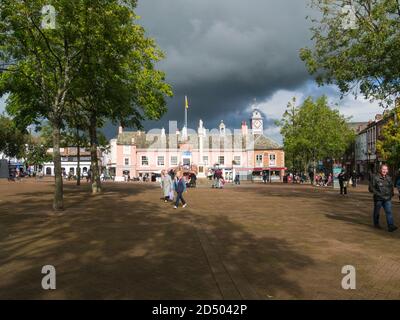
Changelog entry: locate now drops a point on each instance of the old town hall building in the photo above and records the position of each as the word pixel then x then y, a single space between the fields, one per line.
pixel 245 151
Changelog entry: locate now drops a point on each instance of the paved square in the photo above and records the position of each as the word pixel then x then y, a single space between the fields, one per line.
pixel 249 242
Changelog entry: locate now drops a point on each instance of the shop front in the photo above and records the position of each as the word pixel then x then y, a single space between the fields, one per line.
pixel 273 174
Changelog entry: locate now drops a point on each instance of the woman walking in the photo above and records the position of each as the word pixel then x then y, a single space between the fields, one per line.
pixel 180 188
pixel 166 185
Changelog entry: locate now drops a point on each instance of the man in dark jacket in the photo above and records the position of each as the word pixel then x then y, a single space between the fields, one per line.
pixel 381 185
pixel 343 181
pixel 354 178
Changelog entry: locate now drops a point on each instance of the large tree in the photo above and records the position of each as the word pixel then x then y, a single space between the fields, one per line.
pixel 289 126
pixel 357 47
pixel 119 80
pixel 40 63
pixel 93 45
pixel 314 131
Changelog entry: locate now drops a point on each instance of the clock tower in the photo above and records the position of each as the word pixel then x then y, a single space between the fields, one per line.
pixel 257 122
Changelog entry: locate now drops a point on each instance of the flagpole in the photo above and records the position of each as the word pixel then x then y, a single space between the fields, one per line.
pixel 186 107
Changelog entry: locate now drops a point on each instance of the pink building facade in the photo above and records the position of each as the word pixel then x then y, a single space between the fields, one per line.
pixel 136 153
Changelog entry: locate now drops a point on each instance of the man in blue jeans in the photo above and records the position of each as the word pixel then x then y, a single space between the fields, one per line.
pixel 381 185
pixel 180 188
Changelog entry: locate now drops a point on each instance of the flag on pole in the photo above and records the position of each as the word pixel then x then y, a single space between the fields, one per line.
pixel 186 103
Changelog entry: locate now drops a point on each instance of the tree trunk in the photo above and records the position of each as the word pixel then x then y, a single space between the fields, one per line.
pixel 314 171
pixel 95 179
pixel 78 155
pixel 58 202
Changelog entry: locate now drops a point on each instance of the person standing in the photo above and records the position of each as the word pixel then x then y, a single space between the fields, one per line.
pixel 354 178
pixel 172 174
pixel 381 186
pixel 264 177
pixel 330 179
pixel 237 178
pixel 218 179
pixel 311 174
pixel 180 188
pixel 166 185
pixel 343 182
pixel 193 180
pixel 89 176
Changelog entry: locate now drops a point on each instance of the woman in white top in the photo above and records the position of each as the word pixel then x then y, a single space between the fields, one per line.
pixel 166 185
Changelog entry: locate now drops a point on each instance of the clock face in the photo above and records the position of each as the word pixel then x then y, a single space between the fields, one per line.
pixel 257 124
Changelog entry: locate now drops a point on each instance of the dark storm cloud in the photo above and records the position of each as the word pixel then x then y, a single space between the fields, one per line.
pixel 225 53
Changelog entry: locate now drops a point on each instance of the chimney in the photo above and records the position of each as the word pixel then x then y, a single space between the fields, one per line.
pixel 378 117
pixel 120 129
pixel 244 128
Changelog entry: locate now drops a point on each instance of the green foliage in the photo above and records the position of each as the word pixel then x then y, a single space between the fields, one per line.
pixel 361 59
pixel 97 64
pixel 388 145
pixel 97 55
pixel 46 135
pixel 314 131
pixel 12 140
pixel 118 80
pixel 289 126
pixel 36 154
pixel 71 137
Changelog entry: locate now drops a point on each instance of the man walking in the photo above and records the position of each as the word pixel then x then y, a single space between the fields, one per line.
pixel 381 186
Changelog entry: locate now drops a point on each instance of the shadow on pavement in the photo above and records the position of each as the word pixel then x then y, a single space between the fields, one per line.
pixel 121 246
